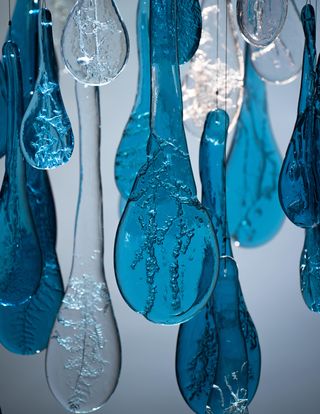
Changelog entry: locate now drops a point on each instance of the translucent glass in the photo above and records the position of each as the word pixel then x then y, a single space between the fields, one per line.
pixel 3 111
pixel 281 61
pixel 84 354
pixel 299 178
pixel 261 21
pixel 94 43
pixel 200 345
pixel 215 76
pixel 46 135
pixel 20 260
pixel 131 154
pixel 165 238
pixel 254 164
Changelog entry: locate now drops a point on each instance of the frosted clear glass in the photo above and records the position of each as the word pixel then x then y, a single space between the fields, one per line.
pixel 205 87
pixel 84 354
pixel 261 21
pixel 94 43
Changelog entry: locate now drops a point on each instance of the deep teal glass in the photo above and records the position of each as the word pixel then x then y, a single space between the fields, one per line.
pixel 203 355
pixel 254 164
pixel 46 134
pixel 299 178
pixel 3 112
pixel 131 154
pixel 165 239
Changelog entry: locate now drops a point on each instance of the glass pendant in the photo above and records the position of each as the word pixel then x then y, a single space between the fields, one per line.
pixel 46 134
pixel 84 354
pixel 131 154
pixel 281 61
pixel 165 238
pixel 202 346
pixel 94 42
pixel 3 111
pixel 261 21
pixel 218 56
pixel 254 164
pixel 299 178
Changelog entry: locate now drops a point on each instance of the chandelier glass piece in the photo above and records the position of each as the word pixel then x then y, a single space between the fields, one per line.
pixel 299 178
pixel 255 215
pixel 281 61
pixel 165 238
pixel 94 42
pixel 261 21
pixel 201 348
pixel 84 354
pixel 3 111
pixel 46 134
pixel 218 57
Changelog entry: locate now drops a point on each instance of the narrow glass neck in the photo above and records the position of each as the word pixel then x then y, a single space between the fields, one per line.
pixel 48 62
pixel 253 84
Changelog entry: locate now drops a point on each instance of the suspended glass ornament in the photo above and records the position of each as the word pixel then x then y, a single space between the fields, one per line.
pixel 281 61
pixel 94 42
pixel 261 21
pixel 218 56
pixel 165 238
pixel 3 112
pixel 198 348
pixel 46 134
pixel 131 154
pixel 84 355
pixel 254 164
pixel 20 263
pixel 299 178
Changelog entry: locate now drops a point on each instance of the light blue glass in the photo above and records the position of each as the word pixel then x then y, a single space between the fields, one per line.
pixel 254 164
pixel 299 178
pixel 46 135
pixel 131 154
pixel 165 239
pixel 3 112
pixel 203 354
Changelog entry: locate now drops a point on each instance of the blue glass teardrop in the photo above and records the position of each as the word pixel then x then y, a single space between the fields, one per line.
pixel 3 112
pixel 254 164
pixel 46 135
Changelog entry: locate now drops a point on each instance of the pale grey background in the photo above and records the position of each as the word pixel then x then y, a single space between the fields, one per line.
pixel 289 333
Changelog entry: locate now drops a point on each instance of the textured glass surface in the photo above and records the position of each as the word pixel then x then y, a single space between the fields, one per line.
pixel 165 238
pixel 84 355
pixel 254 164
pixel 3 112
pixel 46 134
pixel 215 76
pixel 198 348
pixel 94 43
pixel 299 178
pixel 281 61
pixel 261 21
pixel 131 154
pixel 21 262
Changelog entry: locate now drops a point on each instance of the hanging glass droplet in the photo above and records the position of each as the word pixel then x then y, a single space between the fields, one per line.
pixel 261 21
pixel 254 164
pixel 281 61
pixel 165 238
pixel 21 263
pixel 46 134
pixel 299 177
pixel 94 43
pixel 198 349
pixel 84 355
pixel 218 56
pixel 3 111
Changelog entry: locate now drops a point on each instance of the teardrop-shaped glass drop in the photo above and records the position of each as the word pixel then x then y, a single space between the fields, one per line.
pixel 165 238
pixel 254 164
pixel 20 263
pixel 215 76
pixel 46 134
pixel 299 178
pixel 310 269
pixel 198 341
pixel 84 354
pixel 94 43
pixel 3 111
pixel 131 154
pixel 261 21
pixel 281 61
